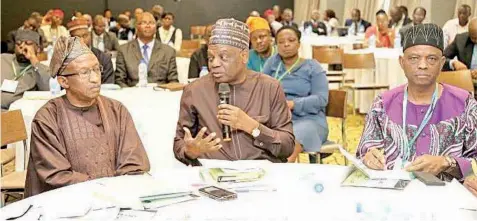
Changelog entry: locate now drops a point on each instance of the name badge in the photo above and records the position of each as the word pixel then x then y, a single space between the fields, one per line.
pixel 9 86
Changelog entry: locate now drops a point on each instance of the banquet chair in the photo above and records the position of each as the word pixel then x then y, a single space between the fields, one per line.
pixel 331 56
pixel 359 62
pixel 336 108
pixel 461 79
pixel 13 130
pixel 197 31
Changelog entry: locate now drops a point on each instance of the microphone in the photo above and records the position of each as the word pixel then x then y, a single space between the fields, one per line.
pixel 224 98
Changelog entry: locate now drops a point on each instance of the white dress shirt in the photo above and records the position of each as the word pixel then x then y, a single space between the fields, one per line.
pixel 98 41
pixel 149 49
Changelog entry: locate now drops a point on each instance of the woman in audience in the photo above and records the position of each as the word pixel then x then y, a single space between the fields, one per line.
pixel 383 35
pixel 331 22
pixel 305 86
pixel 168 34
pixel 110 20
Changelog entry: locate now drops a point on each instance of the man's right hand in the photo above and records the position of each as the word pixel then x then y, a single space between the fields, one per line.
pixel 459 66
pixel 200 144
pixel 374 159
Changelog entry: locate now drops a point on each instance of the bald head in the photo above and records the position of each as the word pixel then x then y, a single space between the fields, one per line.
pixel 146 26
pixel 473 30
pixel 463 13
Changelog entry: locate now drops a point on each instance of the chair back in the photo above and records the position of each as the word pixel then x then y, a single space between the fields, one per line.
pixel 359 61
pixel 328 55
pixel 461 79
pixel 198 31
pixel 336 104
pixel 13 127
pixel 190 44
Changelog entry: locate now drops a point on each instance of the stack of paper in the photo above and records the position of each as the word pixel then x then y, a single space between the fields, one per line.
pixel 236 175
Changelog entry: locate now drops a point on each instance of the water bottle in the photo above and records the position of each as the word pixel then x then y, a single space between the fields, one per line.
pixel 372 41
pixel 203 71
pixel 397 40
pixel 55 88
pixel 142 74
pixel 308 30
pixel 49 52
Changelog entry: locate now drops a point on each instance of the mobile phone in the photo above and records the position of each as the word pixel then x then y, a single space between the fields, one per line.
pixel 217 193
pixel 429 179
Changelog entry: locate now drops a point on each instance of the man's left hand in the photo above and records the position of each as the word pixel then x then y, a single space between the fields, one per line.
pixel 474 74
pixel 236 118
pixel 291 104
pixel 428 163
pixel 471 184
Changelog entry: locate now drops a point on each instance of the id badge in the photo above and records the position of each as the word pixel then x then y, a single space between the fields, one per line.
pixel 9 86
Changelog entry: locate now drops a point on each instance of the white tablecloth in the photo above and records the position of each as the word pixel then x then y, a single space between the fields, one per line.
pixel 388 69
pixel 155 115
pixel 294 198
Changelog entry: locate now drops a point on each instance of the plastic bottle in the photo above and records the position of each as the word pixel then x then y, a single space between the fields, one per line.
pixel 142 74
pixel 372 41
pixel 203 71
pixel 397 40
pixel 55 88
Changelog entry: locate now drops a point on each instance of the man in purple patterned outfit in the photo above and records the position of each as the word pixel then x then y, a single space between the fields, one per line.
pixel 440 120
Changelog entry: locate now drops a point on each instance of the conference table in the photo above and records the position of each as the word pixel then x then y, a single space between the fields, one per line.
pixel 388 70
pixel 289 195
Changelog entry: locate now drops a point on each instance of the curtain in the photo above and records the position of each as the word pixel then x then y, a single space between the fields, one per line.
pixel 303 9
pixel 368 9
pixel 471 3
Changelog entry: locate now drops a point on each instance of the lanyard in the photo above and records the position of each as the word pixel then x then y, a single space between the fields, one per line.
pixel 262 62
pixel 409 143
pixel 21 73
pixel 286 72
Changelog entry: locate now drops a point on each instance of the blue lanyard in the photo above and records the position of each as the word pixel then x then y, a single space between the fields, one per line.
pixel 409 143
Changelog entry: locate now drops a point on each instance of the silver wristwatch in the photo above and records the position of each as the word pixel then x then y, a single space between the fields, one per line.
pixel 255 132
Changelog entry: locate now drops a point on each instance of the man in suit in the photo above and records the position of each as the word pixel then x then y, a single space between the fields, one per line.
pixel 316 25
pixel 464 47
pixel 287 18
pixel 199 57
pixel 79 28
pixel 397 19
pixel 356 25
pixel 159 58
pixel 123 31
pixel 103 40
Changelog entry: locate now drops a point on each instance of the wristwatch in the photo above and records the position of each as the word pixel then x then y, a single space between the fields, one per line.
pixel 256 132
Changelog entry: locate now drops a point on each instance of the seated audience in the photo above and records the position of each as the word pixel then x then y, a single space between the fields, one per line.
pixel 258 116
pixel 199 57
pixel 277 13
pixel 89 19
pixel 24 68
pixel 103 40
pixel 168 34
pixel 356 25
pixel 262 43
pixel 157 11
pixel 79 28
pixel 418 17
pixel 457 25
pixel 316 25
pixel 274 25
pixel 398 19
pixel 384 36
pixel 30 24
pixel 137 13
pixel 254 14
pixel 287 18
pixel 159 58
pixel 122 30
pixel 108 143
pixel 306 89
pixel 56 29
pixel 331 22
pixel 439 135
pixel 46 20
pixel 110 20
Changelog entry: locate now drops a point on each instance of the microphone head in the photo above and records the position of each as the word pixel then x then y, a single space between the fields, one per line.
pixel 224 88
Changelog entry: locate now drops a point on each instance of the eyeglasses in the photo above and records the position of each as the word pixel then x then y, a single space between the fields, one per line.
pixel 147 23
pixel 431 59
pixel 86 74
pixel 18 43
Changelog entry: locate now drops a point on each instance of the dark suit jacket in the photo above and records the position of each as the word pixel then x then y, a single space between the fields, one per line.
pixel 107 76
pixel 162 67
pixel 110 41
pixel 406 21
pixel 320 29
pixel 290 24
pixel 123 35
pixel 365 23
pixel 197 61
pixel 462 47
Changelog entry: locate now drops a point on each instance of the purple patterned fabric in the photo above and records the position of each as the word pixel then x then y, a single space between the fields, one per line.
pixel 451 129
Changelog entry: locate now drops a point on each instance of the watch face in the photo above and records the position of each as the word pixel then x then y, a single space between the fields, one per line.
pixel 255 132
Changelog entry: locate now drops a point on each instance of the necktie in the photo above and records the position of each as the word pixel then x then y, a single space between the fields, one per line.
pixel 144 53
pixel 356 28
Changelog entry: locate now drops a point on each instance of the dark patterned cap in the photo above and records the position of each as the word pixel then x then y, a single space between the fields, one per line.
pixel 66 50
pixel 28 35
pixel 424 34
pixel 230 32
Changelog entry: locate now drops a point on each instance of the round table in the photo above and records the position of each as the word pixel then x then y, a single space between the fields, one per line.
pixel 293 198
pixel 388 70
pixel 155 115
